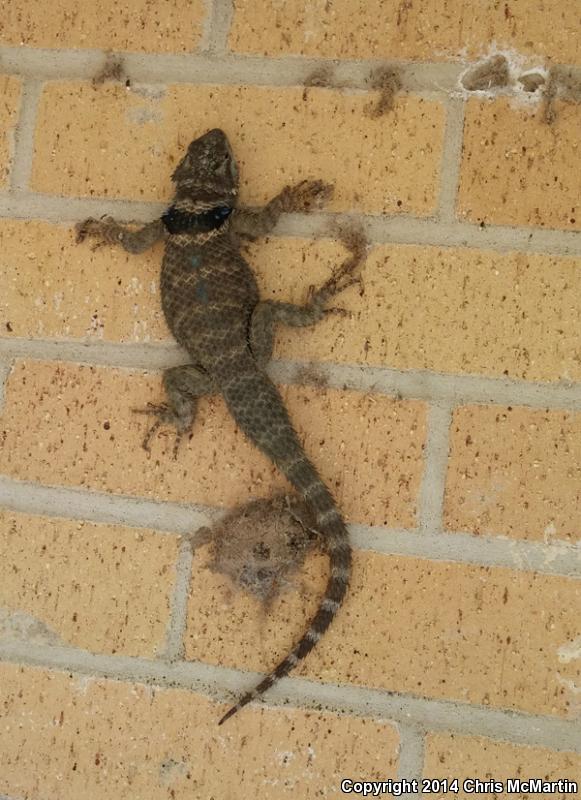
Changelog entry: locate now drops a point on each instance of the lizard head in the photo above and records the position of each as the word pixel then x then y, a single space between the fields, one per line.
pixel 208 168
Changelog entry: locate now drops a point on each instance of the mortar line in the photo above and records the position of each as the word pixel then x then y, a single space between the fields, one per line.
pixel 21 168
pixel 561 559
pixel 225 67
pixel 219 683
pixel 431 495
pixel 99 507
pixel 175 642
pixel 436 77
pixel 219 17
pixel 411 760
pixel 439 389
pixel 451 159
pixel 459 547
pixel 433 387
pixel 4 372
pixel 380 230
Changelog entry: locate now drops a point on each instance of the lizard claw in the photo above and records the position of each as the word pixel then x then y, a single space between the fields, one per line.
pixel 90 228
pixel 349 273
pixel 164 415
pixel 340 280
pixel 82 229
pixel 342 312
pixel 309 194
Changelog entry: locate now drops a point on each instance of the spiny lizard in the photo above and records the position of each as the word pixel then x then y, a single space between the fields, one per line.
pixel 212 306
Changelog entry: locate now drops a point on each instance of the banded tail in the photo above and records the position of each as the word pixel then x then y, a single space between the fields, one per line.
pixel 259 410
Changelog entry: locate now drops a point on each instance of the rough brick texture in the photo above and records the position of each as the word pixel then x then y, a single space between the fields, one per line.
pixel 438 630
pixel 10 89
pixel 423 29
pixel 123 740
pixel 471 756
pixel 314 132
pixel 103 588
pixel 141 26
pixel 458 310
pixel 515 472
pixel 517 169
pixel 63 425
pixel 43 269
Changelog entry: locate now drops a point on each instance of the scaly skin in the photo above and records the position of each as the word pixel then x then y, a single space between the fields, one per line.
pixel 212 306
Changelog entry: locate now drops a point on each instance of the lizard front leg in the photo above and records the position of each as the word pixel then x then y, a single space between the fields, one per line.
pixel 108 231
pixel 304 196
pixel 183 386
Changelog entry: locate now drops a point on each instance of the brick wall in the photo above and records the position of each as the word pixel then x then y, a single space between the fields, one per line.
pixel 444 411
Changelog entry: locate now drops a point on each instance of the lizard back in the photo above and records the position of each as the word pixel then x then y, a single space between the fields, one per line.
pixel 209 294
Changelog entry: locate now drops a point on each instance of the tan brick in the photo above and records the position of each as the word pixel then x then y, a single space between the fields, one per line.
pixel 104 588
pixel 516 169
pixel 171 27
pixel 279 134
pixel 66 737
pixel 9 105
pixel 64 424
pixel 467 757
pixel 55 288
pixel 423 30
pixel 481 635
pixel 514 315
pixel 445 309
pixel 515 472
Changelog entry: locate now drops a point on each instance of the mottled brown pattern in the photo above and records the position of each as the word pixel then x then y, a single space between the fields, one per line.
pixel 212 306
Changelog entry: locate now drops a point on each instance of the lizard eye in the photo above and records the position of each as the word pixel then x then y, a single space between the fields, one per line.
pixel 221 163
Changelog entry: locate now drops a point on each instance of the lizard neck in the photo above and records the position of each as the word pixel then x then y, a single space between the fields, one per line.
pixel 179 220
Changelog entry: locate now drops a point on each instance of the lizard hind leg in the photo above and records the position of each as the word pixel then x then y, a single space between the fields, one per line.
pixel 347 274
pixel 271 312
pixel 183 386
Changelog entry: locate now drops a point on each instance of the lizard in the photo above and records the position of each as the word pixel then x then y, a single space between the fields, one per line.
pixel 212 306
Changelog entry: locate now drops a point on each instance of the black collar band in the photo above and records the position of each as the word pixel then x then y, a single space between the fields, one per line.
pixel 176 221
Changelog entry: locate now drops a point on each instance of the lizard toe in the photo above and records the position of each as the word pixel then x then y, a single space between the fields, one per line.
pixel 82 229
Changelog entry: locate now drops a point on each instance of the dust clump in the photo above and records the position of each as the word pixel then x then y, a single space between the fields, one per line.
pixel 312 375
pixel 491 74
pixel 321 76
pixel 386 81
pixel 262 545
pixel 113 69
pixel 531 81
pixel 564 83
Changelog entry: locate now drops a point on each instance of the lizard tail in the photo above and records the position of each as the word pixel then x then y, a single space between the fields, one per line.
pixel 265 421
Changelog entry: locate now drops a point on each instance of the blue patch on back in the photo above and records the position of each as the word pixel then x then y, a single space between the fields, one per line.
pixel 202 292
pixel 195 262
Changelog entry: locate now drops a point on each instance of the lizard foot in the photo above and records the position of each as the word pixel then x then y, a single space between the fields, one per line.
pixel 343 277
pixel 341 312
pixel 349 272
pixel 307 195
pixel 92 229
pixel 165 416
